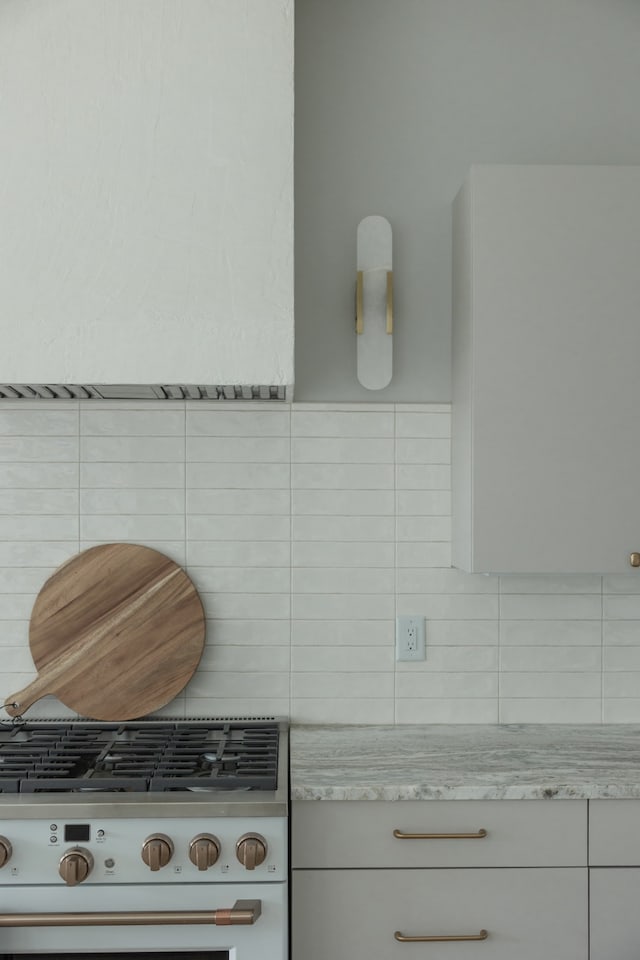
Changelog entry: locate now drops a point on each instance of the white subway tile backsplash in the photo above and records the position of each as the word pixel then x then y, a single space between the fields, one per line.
pixel 623 632
pixel 556 659
pixel 427 425
pixel 16 606
pixel 443 710
pixel 252 527
pixel 307 529
pixel 18 421
pixel 574 633
pixel 238 476
pixel 36 553
pixel 342 503
pixel 31 527
pixel 136 501
pixel 238 553
pixel 251 422
pixel 118 422
pixel 423 451
pixel 549 685
pixel 550 607
pixel 465 685
pixel 38 501
pixel 141 527
pixel 423 476
pixel 348 710
pixel 239 502
pixel 342 476
pixel 124 449
pixel 246 606
pixel 141 475
pixel 226 450
pixel 543 710
pixel 341 424
pixel 360 450
pixel 323 553
pixel 241 579
pixel 43 475
pixel 359 686
pixel 621 607
pixel 545 584
pixel 322 606
pixel 342 633
pixel 343 528
pixel 456 606
pixel 342 580
pixel 423 503
pixel 42 449
pixel 342 659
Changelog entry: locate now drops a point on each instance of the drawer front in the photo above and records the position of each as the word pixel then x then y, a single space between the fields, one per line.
pixel 516 833
pixel 354 914
pixel 615 919
pixel 614 832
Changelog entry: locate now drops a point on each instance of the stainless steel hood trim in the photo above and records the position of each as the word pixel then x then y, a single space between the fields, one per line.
pixel 132 391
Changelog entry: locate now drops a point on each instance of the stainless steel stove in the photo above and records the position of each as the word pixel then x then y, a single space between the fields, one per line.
pixel 148 837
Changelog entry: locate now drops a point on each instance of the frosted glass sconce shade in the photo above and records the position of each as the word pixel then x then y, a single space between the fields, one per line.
pixel 374 303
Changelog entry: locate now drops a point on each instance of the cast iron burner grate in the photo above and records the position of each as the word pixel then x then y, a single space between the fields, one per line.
pixel 143 756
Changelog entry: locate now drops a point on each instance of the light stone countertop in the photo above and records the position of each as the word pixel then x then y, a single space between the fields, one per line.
pixel 465 762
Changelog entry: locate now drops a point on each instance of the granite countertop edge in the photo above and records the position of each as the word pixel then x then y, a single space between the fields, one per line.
pixel 465 762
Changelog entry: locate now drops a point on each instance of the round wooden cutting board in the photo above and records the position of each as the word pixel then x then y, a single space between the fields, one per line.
pixel 115 633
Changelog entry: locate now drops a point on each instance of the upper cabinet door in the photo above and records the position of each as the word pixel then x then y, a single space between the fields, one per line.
pixel 546 348
pixel 146 192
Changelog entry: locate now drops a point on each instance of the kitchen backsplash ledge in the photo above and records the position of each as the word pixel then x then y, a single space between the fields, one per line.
pixel 307 528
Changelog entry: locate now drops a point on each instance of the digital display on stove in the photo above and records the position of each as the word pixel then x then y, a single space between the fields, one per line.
pixel 76 832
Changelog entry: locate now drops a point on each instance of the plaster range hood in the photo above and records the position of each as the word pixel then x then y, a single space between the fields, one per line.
pixel 146 210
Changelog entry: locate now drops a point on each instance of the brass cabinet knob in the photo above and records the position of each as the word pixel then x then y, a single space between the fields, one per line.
pixel 75 866
pixel 5 851
pixel 634 559
pixel 251 850
pixel 204 850
pixel 157 850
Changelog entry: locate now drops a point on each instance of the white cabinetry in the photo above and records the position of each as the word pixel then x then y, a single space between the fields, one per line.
pixel 546 355
pixel 355 885
pixel 614 879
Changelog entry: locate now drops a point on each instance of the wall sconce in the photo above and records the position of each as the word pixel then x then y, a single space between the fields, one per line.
pixel 374 303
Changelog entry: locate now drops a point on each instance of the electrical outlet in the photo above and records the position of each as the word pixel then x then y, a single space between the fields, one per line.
pixel 410 639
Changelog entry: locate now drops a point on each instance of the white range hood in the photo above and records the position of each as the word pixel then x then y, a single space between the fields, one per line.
pixel 146 198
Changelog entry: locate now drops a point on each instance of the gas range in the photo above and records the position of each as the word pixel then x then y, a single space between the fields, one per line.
pixel 160 834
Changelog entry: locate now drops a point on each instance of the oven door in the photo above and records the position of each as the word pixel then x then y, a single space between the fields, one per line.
pixel 197 921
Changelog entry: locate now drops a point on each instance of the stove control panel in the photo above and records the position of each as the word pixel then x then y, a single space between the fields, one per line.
pixel 121 850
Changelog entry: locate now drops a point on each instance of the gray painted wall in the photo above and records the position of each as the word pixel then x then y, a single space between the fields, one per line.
pixel 394 101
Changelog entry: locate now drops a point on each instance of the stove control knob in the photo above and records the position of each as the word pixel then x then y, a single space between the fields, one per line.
pixel 75 866
pixel 251 850
pixel 204 850
pixel 157 850
pixel 5 851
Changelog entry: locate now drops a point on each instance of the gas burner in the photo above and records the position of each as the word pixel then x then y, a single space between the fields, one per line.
pixel 141 756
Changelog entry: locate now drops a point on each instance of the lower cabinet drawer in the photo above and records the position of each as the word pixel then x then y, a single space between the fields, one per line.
pixel 529 914
pixel 615 918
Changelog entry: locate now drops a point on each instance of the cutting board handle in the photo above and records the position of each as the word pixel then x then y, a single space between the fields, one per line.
pixel 17 703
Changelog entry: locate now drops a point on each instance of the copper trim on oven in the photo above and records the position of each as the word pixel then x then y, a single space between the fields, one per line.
pixel 243 912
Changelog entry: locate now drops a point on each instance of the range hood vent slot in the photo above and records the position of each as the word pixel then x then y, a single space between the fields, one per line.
pixel 69 391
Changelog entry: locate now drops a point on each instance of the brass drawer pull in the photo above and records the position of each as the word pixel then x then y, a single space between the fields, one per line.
pixel 399 835
pixel 400 937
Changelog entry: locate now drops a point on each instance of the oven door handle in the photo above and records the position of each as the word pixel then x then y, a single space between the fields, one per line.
pixel 244 912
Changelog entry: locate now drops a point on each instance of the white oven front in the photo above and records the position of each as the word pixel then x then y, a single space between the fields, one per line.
pixel 220 921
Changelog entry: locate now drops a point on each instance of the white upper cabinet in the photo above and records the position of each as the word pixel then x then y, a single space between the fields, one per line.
pixel 546 347
pixel 146 196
